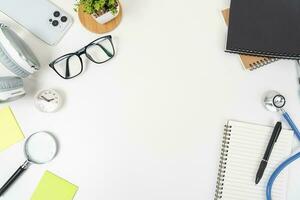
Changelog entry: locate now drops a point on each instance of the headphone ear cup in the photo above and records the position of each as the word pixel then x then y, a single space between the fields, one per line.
pixel 12 66
pixel 11 88
pixel 10 83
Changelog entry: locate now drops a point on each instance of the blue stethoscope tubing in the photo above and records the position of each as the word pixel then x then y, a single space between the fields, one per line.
pixel 292 124
pixel 283 165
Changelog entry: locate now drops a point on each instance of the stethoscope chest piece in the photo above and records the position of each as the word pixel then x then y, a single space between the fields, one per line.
pixel 274 101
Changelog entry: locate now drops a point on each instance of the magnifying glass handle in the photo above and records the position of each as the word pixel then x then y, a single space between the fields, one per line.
pixel 14 177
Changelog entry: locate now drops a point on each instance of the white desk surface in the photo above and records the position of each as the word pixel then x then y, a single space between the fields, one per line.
pixel 148 124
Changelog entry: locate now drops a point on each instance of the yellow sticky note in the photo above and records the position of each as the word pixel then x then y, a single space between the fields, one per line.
pixel 52 187
pixel 10 132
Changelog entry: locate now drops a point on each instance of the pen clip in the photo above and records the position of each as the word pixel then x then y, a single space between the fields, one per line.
pixel 277 128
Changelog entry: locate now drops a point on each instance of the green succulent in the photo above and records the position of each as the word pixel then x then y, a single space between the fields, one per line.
pixel 97 6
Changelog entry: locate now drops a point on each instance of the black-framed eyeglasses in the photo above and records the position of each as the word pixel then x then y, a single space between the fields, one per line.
pixel 70 65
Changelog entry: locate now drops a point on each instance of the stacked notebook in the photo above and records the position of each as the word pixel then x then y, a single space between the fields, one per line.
pixel 242 149
pixel 249 62
pixel 267 28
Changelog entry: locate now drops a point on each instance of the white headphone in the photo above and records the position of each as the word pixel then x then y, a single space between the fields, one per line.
pixel 17 58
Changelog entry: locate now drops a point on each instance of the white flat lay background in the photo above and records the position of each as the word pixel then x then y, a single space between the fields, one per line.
pixel 148 124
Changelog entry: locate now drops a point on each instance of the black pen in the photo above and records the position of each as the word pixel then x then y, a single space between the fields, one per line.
pixel 264 161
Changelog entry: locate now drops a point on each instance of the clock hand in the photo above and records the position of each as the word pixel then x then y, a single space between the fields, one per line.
pixel 42 97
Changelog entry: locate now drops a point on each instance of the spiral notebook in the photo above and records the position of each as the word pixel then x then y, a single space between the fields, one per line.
pixel 272 28
pixel 250 62
pixel 242 149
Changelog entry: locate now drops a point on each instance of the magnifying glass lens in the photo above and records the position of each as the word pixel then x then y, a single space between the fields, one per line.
pixel 41 147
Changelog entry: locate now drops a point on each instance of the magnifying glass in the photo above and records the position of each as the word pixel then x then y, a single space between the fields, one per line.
pixel 39 148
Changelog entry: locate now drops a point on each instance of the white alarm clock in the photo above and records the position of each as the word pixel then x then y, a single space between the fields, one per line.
pixel 48 100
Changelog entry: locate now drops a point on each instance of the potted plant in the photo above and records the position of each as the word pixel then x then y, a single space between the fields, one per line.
pixel 102 11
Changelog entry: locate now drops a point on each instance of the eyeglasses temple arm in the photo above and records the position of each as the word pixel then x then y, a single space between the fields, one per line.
pixel 67 68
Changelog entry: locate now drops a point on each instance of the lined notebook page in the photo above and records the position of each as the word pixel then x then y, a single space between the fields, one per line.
pixel 246 147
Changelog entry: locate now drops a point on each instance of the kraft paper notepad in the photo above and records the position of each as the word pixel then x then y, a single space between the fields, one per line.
pixel 250 62
pixel 10 132
pixel 52 187
pixel 243 147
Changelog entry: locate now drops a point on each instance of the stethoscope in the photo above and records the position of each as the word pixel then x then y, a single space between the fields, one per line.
pixel 275 102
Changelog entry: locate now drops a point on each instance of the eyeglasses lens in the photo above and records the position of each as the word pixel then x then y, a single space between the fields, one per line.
pixel 68 66
pixel 100 51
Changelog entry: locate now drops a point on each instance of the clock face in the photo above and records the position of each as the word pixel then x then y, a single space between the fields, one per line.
pixel 48 100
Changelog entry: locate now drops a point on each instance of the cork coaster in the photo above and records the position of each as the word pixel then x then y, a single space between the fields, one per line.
pixel 92 25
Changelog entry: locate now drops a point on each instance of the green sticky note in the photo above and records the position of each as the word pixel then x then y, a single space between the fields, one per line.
pixel 10 132
pixel 52 187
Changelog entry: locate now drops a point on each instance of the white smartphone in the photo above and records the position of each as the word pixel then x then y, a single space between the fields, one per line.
pixel 41 17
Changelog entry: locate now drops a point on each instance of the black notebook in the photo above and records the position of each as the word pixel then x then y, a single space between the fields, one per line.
pixel 272 28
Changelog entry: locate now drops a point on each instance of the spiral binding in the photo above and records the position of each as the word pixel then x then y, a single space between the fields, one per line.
pixel 262 53
pixel 223 162
pixel 262 63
